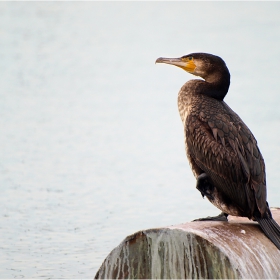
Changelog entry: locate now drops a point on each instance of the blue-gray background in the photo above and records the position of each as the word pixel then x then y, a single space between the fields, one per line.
pixel 91 141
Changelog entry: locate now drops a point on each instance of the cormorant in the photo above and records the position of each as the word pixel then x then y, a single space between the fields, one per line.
pixel 222 151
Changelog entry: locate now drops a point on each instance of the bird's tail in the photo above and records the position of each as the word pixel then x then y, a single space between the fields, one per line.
pixel 271 229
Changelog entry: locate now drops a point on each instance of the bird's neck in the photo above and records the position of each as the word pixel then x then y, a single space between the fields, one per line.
pixel 215 85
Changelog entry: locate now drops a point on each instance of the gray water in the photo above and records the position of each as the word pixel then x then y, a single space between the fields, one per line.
pixel 91 141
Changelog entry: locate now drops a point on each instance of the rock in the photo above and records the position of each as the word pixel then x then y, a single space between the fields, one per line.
pixel 212 250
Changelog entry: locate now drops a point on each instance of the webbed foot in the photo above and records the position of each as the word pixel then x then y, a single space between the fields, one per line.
pixel 221 218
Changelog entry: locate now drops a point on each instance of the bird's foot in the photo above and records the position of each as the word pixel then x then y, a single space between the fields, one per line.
pixel 221 218
pixel 204 186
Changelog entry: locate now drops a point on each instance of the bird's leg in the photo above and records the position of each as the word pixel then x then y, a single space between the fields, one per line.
pixel 207 189
pixel 204 186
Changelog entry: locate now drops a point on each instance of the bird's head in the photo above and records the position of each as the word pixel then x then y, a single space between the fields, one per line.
pixel 204 65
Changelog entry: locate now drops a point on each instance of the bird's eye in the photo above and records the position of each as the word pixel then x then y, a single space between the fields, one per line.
pixel 190 58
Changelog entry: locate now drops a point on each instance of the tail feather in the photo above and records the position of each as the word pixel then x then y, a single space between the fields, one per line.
pixel 271 230
pixel 277 227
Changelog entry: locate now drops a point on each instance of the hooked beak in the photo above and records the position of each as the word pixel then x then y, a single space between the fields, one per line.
pixel 188 66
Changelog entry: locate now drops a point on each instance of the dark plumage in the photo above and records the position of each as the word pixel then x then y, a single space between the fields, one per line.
pixel 222 151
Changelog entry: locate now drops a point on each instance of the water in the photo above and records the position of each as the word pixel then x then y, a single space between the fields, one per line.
pixel 91 141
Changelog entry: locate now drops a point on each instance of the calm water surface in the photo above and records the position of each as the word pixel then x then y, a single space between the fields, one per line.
pixel 91 141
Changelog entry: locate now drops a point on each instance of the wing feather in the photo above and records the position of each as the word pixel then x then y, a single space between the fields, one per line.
pixel 222 146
